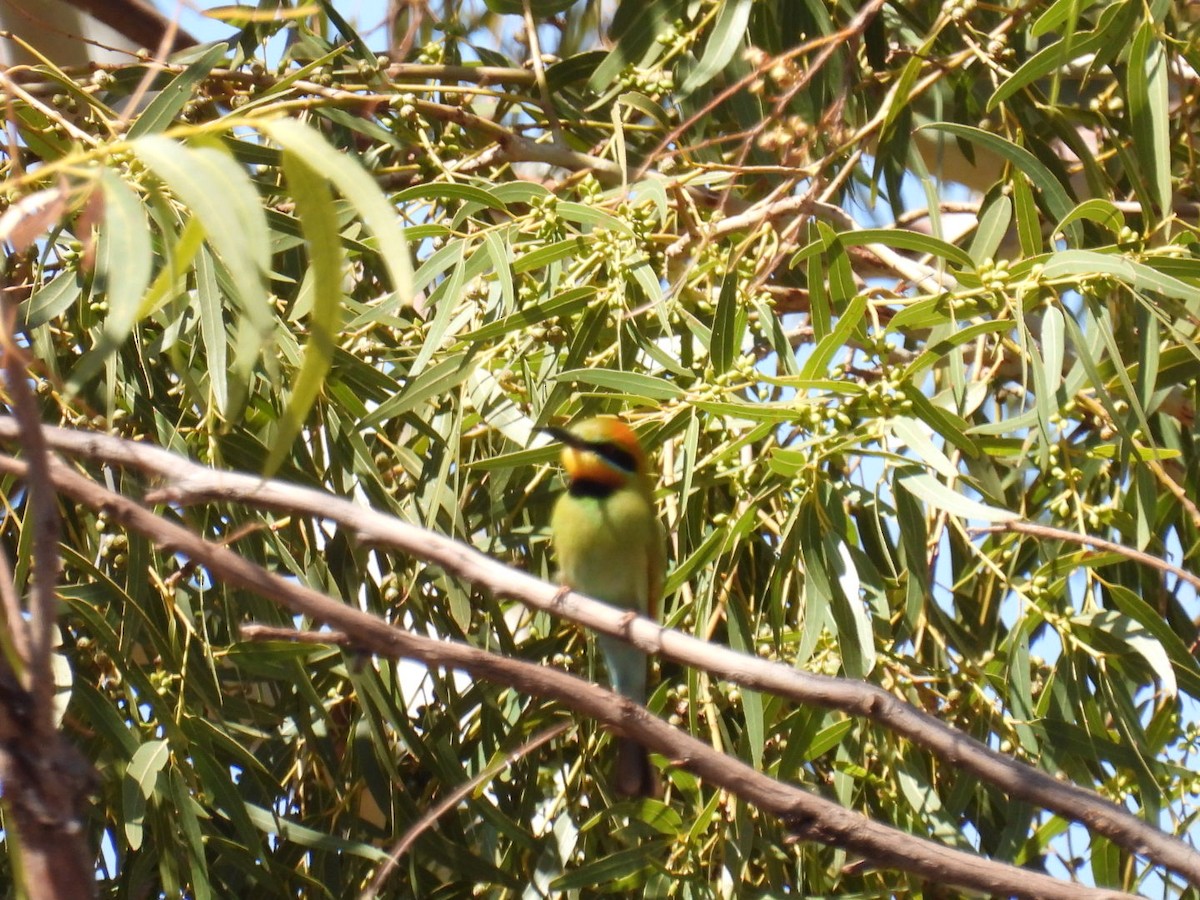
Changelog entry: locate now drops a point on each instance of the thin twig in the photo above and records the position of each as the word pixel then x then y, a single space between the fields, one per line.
pixel 1048 532
pixel 165 44
pixel 539 72
pixel 450 801
pixel 672 136
pixel 52 114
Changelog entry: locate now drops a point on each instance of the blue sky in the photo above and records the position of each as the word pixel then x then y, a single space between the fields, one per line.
pixel 365 15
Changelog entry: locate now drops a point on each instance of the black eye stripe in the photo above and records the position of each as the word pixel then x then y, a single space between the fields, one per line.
pixel 616 455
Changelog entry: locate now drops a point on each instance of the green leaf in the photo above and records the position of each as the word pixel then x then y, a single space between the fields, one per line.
pixel 753 712
pixel 924 801
pixel 828 738
pixel 914 539
pixel 124 257
pixel 1149 114
pixel 1029 226
pixel 1020 687
pixel 1186 667
pixel 727 35
pixel 139 785
pixel 726 336
pixel 148 760
pixel 1143 454
pixel 634 384
pixel 604 871
pixel 817 365
pixel 566 304
pixel 647 279
pixel 443 193
pixel 346 30
pixel 839 273
pixel 994 222
pixel 1053 347
pixel 573 69
pixel 939 496
pixel 634 29
pixel 831 580
pixel 750 412
pixel 819 313
pixel 446 300
pixel 916 435
pixel 353 183
pixel 438 379
pixel 123 260
pixel 315 209
pixel 907 240
pixel 1054 195
pixel 592 216
pixel 541 9
pixel 212 332
pixel 52 300
pixel 704 553
pixel 1083 265
pixel 170 278
pixel 1059 13
pixel 162 110
pixel 186 811
pixel 551 253
pixel 1097 210
pixel 1050 59
pixel 1138 639
pixel 211 184
pixel 293 833
pixel 856 640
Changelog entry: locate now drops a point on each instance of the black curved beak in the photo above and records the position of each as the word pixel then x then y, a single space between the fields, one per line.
pixel 565 437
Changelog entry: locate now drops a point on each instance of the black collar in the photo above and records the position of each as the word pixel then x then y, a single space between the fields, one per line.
pixel 583 487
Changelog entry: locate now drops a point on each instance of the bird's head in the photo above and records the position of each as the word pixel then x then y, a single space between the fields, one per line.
pixel 602 451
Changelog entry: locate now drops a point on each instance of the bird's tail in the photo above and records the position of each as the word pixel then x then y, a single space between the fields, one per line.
pixel 633 776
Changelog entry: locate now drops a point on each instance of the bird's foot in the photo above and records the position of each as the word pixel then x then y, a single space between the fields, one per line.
pixel 627 619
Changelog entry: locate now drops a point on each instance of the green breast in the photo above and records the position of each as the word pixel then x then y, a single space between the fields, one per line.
pixel 609 548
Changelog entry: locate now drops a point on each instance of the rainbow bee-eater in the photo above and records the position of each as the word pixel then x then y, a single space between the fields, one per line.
pixel 610 545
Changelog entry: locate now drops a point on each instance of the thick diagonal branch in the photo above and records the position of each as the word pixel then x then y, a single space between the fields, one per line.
pixel 810 817
pixel 189 482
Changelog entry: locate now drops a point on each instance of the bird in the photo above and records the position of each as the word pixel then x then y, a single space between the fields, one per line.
pixel 610 545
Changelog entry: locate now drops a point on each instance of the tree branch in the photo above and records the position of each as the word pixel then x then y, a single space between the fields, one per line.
pixel 1048 532
pixel 189 482
pixel 809 816
pixel 42 518
pixel 43 777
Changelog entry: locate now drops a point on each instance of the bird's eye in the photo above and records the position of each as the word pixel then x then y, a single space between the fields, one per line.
pixel 615 456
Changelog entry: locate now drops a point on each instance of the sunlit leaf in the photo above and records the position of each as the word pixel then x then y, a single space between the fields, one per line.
pixel 728 33
pixel 941 497
pixel 314 207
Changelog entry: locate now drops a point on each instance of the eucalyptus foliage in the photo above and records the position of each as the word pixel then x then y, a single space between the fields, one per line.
pixel 378 276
